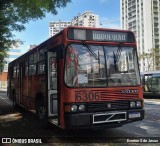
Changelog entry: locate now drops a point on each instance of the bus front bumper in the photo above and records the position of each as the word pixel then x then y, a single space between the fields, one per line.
pixel 109 119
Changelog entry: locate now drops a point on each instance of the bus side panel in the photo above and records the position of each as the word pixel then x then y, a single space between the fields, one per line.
pixel 30 100
pixel 40 88
pixel 62 93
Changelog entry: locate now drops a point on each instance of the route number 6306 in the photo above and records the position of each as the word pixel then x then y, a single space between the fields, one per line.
pixel 87 96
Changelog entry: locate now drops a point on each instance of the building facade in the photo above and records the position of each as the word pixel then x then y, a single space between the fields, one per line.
pixel 13 53
pixel 87 19
pixel 55 27
pixel 143 18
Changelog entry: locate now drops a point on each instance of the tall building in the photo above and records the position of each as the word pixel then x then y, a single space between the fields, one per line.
pixel 143 18
pixel 87 19
pixel 55 27
pixel 13 53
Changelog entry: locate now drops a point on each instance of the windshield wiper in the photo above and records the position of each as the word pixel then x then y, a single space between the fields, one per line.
pixel 89 49
pixel 117 55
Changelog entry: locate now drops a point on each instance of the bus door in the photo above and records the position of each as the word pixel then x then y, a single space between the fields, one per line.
pixel 52 88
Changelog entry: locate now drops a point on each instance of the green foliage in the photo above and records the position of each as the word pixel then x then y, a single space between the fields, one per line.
pixel 15 13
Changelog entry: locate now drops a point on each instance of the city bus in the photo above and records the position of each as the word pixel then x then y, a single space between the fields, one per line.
pixel 82 77
pixel 151 83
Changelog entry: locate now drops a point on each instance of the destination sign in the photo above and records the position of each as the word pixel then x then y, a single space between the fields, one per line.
pixel 109 36
pixel 101 35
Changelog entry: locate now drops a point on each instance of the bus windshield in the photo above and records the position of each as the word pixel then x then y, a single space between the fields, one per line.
pixel 101 66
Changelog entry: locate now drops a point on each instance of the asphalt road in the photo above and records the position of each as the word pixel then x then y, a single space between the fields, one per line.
pixel 22 124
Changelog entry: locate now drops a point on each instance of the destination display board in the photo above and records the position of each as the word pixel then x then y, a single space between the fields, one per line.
pixel 100 35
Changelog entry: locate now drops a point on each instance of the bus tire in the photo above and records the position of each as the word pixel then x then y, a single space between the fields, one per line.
pixel 41 114
pixel 40 110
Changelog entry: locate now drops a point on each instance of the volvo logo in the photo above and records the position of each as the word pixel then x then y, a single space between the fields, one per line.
pixel 109 105
pixel 129 91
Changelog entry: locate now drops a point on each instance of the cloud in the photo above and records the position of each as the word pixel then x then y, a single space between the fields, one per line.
pixel 103 1
pixel 110 23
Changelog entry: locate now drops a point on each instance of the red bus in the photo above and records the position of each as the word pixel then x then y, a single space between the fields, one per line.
pixel 80 78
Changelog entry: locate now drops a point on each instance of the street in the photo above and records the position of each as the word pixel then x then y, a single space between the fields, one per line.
pixel 22 124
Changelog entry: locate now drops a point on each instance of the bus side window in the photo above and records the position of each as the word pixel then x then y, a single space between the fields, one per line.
pixel 41 60
pixel 14 72
pixel 155 83
pixel 26 67
pixel 32 64
pixel 147 83
pixel 11 72
pixel 17 68
pixel 41 67
pixel 53 73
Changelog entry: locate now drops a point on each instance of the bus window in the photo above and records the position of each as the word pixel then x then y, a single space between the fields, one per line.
pixel 41 67
pixel 156 83
pixel 87 67
pixel 17 75
pixel 26 67
pixel 83 68
pixel 14 72
pixel 53 73
pixel 147 83
pixel 122 66
pixel 32 64
pixel 42 55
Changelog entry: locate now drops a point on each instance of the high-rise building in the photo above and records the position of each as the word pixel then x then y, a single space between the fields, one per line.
pixel 13 53
pixel 143 18
pixel 55 27
pixel 87 19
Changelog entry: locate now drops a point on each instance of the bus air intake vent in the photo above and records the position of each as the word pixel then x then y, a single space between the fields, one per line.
pixel 117 95
pixel 106 106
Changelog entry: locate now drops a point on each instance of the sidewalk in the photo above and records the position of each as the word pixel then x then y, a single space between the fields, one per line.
pixel 3 90
pixel 152 101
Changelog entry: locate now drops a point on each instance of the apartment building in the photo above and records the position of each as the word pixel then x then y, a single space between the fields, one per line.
pixel 13 53
pixel 87 19
pixel 57 26
pixel 143 18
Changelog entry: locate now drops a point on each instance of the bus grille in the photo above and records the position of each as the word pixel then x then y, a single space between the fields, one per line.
pixel 107 106
pixel 117 95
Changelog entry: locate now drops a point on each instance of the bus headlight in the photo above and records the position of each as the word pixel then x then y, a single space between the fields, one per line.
pixel 138 104
pixel 132 104
pixel 81 108
pixel 74 108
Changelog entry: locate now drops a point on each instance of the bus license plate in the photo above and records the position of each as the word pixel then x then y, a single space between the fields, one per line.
pixel 134 115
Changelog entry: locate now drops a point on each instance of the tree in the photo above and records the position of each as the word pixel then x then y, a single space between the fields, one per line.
pixel 152 58
pixel 15 13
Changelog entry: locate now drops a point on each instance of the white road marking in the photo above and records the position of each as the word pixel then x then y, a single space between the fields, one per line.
pixel 5 99
pixel 152 102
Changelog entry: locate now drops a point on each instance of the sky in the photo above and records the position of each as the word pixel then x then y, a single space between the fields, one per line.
pixel 37 31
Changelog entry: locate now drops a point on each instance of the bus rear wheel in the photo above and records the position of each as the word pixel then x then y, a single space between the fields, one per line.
pixel 41 111
pixel 14 99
